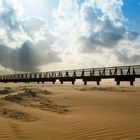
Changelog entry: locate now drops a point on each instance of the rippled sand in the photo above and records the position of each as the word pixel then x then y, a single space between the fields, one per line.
pixel 69 112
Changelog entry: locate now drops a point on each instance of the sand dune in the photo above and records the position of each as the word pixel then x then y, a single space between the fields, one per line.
pixel 69 112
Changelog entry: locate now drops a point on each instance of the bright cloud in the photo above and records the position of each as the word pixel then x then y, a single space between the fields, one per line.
pixel 86 33
pixel 96 33
pixel 26 43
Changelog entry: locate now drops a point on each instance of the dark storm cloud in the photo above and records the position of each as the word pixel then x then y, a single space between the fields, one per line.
pixel 26 58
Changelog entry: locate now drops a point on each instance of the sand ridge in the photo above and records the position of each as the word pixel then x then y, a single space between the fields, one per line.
pixel 36 99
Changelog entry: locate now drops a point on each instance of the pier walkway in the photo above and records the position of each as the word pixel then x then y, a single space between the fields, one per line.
pixel 119 74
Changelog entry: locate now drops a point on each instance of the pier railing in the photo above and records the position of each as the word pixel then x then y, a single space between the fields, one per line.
pixel 119 73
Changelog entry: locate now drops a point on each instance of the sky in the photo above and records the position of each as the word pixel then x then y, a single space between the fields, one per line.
pixel 41 35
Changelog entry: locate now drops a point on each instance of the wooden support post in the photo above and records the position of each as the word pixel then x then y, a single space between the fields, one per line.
pixel 53 82
pixel 85 82
pixel 61 82
pixel 98 83
pixel 131 83
pixel 118 83
pixel 42 82
pixel 38 82
pixel 73 82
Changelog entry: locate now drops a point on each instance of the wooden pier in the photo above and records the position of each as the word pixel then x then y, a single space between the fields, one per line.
pixel 119 74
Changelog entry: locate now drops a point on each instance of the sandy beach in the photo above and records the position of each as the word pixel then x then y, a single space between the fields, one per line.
pixel 69 112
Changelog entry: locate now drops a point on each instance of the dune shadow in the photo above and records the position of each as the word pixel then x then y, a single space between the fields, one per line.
pixel 36 99
pixel 16 114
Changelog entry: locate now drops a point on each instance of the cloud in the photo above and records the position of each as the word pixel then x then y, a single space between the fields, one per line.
pixel 95 31
pixel 25 43
pixel 105 26
pixel 128 59
pixel 26 58
pixel 128 51
pixel 132 35
pixel 87 33
pixel 107 35
pixel 9 23
pixel 34 25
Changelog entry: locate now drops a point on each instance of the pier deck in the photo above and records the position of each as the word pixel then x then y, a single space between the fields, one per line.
pixel 119 74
